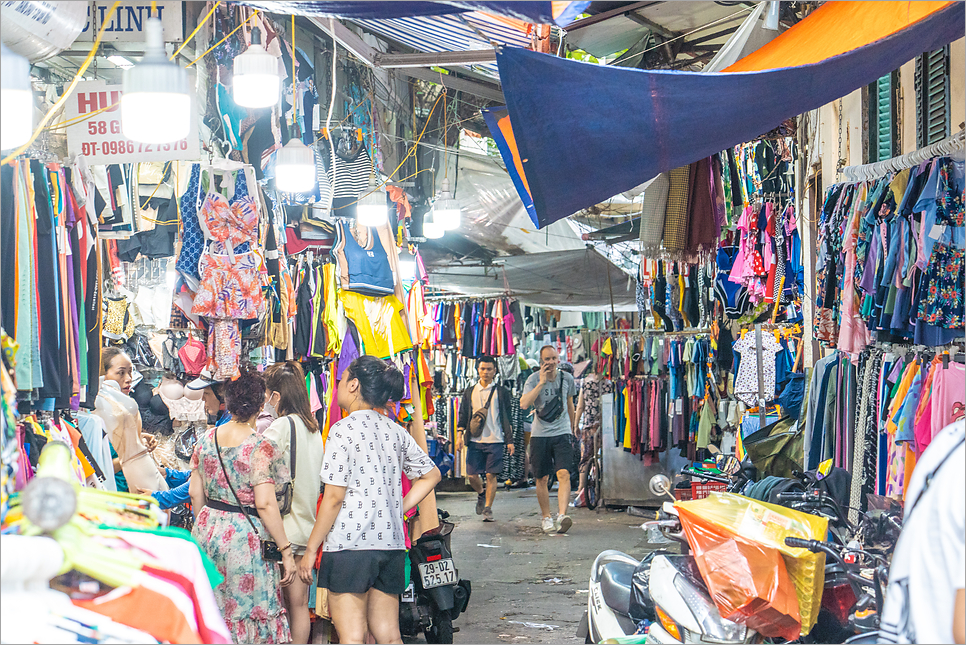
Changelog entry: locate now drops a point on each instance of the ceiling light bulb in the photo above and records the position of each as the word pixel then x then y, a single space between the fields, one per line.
pixel 16 100
pixel 372 209
pixel 407 266
pixel 431 230
pixel 446 210
pixel 156 105
pixel 255 80
pixel 295 167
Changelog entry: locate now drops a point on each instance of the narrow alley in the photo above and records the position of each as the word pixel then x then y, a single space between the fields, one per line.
pixel 529 587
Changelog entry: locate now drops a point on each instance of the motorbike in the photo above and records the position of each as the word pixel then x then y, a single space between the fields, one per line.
pixel 661 598
pixel 436 596
pixel 664 597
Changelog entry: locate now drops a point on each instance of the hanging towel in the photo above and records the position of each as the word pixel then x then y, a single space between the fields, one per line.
pixel 676 220
pixel 653 212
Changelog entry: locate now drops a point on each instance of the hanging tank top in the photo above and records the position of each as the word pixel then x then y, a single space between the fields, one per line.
pixel 362 269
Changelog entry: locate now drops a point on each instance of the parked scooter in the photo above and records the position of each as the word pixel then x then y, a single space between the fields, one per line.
pixel 436 596
pixel 663 595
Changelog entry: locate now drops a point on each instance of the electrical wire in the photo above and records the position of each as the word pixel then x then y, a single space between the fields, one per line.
pixel 193 33
pixel 63 99
pixel 230 34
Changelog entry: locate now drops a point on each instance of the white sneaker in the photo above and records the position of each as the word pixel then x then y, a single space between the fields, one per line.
pixel 563 523
pixel 549 526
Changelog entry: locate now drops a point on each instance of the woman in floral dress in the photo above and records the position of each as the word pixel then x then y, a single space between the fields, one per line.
pixel 251 596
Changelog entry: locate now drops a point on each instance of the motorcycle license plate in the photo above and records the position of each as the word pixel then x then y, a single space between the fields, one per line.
pixel 437 574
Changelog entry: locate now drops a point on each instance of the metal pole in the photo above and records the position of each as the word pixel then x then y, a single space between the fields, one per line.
pixel 613 316
pixel 761 377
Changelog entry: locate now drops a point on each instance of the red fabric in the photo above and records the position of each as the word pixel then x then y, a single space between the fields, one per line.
pixel 207 636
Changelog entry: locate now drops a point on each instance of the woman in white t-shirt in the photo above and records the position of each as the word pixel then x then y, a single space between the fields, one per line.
pixel 287 398
pixel 360 520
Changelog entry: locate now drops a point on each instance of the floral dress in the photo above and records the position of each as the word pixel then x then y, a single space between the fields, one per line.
pixel 250 598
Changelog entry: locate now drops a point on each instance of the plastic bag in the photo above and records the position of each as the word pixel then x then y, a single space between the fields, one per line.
pixel 739 545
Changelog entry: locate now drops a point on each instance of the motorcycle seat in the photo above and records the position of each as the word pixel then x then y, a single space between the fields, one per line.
pixel 615 585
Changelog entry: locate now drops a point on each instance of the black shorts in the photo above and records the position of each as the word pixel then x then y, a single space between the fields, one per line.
pixel 550 454
pixel 483 458
pixel 360 571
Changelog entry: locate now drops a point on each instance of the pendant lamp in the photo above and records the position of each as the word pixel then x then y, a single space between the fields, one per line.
pixel 371 209
pixel 295 167
pixel 156 105
pixel 16 100
pixel 255 83
pixel 407 266
pixel 446 210
pixel 431 230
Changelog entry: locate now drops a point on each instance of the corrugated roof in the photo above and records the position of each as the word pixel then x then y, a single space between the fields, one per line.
pixel 431 34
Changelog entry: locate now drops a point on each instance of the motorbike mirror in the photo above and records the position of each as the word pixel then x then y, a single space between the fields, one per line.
pixel 660 485
pixel 728 464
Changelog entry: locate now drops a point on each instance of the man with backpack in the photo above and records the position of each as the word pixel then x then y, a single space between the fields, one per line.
pixel 484 426
pixel 551 392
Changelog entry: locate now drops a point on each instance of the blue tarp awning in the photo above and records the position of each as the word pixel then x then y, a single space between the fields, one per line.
pixel 584 132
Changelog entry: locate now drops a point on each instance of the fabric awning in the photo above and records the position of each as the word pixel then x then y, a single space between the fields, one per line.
pixel 560 13
pixel 584 132
pixel 574 280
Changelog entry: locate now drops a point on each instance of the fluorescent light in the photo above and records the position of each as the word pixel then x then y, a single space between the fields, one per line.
pixel 295 167
pixel 16 100
pixel 120 61
pixel 255 80
pixel 156 105
pixel 446 210
pixel 372 209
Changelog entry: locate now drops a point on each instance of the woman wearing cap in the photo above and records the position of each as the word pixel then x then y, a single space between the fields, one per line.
pixel 360 520
pixel 122 420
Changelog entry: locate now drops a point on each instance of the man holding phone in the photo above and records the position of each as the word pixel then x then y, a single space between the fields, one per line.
pixel 550 392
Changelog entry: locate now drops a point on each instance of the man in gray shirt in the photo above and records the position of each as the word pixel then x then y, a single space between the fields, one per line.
pixel 551 393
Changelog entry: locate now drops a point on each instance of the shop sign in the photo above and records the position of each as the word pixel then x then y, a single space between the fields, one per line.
pixel 100 139
pixel 126 22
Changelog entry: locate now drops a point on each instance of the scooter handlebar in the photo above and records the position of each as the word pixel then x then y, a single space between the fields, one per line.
pixel 799 543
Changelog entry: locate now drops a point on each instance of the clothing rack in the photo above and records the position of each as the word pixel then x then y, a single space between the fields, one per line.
pixel 955 143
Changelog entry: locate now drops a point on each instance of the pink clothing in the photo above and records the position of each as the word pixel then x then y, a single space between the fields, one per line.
pixel 948 395
pixel 853 334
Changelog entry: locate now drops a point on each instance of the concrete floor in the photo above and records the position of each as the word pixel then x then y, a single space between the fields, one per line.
pixel 529 587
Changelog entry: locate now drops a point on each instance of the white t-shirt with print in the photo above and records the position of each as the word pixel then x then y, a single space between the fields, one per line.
pixel 368 454
pixel 929 563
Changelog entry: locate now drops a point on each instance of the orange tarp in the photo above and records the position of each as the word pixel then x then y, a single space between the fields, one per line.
pixel 833 29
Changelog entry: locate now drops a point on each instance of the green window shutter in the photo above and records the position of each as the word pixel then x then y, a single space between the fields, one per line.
pixel 932 96
pixel 882 118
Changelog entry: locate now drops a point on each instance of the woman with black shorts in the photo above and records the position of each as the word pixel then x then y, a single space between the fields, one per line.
pixel 360 520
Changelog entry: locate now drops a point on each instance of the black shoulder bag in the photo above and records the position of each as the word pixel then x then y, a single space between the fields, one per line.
pixel 270 550
pixel 553 408
pixel 478 420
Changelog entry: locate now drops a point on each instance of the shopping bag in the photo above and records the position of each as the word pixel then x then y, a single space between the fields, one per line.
pixel 725 517
pixel 750 585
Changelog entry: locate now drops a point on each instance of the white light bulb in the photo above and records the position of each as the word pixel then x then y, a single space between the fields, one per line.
pixel 431 230
pixel 255 80
pixel 371 209
pixel 446 210
pixel 156 104
pixel 295 168
pixel 16 100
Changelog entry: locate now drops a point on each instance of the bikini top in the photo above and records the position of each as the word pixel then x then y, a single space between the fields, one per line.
pixel 232 224
pixel 183 404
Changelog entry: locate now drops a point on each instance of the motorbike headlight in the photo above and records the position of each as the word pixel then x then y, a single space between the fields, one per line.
pixel 713 626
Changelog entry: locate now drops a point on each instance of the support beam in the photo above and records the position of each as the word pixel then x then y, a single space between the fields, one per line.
pixel 650 24
pixel 436 59
pixel 488 92
pixel 607 15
